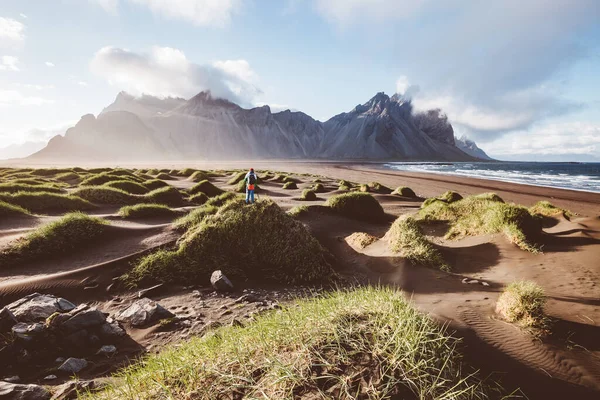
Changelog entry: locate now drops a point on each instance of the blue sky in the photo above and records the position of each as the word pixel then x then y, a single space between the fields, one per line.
pixel 521 78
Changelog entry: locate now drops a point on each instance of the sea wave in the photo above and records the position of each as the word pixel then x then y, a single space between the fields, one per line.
pixel 574 176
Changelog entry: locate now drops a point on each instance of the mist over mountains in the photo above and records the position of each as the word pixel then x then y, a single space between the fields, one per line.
pixel 147 128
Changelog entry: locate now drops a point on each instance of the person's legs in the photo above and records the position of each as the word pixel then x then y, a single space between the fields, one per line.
pixel 247 195
pixel 252 196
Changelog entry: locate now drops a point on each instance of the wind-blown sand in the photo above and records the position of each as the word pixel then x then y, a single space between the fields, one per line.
pixel 565 365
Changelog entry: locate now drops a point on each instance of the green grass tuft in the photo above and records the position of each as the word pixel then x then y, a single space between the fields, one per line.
pixel 319 188
pixel 405 237
pixel 290 185
pixel 198 176
pixel 523 303
pixel 356 205
pixel 164 176
pixel 298 211
pixel 283 251
pixel 196 217
pixel 105 195
pixel 167 195
pixel 474 216
pixel 146 211
pixel 101 179
pixel 366 343
pixel 450 197
pixel 207 188
pixel 377 187
pixel 308 195
pixel 16 187
pixel 128 186
pixel 43 202
pixel 199 198
pixel 238 177
pixel 153 184
pixel 11 210
pixel 186 172
pixel 547 209
pixel 67 177
pixel 67 234
pixel 221 199
pixel 404 192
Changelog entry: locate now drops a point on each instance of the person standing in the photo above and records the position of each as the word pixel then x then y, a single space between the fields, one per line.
pixel 250 181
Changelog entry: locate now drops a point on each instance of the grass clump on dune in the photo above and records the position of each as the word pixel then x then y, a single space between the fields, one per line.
pixel 318 188
pixel 238 177
pixel 308 195
pixel 298 211
pixel 547 209
pixel 153 172
pixel 185 172
pixel 221 199
pixel 365 343
pixel 43 201
pixel 489 196
pixel 360 240
pixel 11 210
pixel 198 176
pixel 155 184
pixel 146 211
pixel 199 198
pixel 20 187
pixel 101 179
pixel 356 205
pixel 32 181
pixel 128 186
pixel 284 251
pixel 67 176
pixel 405 237
pixel 68 233
pixel 377 187
pixel 105 195
pixel 450 197
pixel 164 176
pixel 345 185
pixel 474 216
pixel 523 303
pixel 207 188
pixel 404 192
pixel 196 217
pixel 290 185
pixel 166 195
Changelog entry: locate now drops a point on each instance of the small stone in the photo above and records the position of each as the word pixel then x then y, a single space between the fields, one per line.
pixel 485 283
pixel 7 320
pixel 27 331
pixel 144 312
pixel 465 280
pixel 86 318
pixel 50 377
pixel 220 282
pixel 107 350
pixel 22 392
pixel 36 307
pixel 73 365
pixel 60 360
pixel 247 298
pixel 473 281
pixel 70 390
pixel 196 293
pixel 12 379
pixel 111 329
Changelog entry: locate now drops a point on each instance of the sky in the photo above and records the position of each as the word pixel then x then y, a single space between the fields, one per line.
pixel 520 77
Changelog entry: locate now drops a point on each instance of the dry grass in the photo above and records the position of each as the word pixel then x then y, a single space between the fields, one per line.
pixel 523 303
pixel 405 237
pixel 367 343
pixel 360 240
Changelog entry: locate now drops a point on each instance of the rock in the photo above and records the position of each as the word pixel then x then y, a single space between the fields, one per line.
pixel 50 377
pixel 37 307
pixel 27 331
pixel 473 282
pixel 220 282
pixel 60 360
pixel 107 350
pixel 12 379
pixel 83 319
pixel 7 320
pixel 77 339
pixel 144 312
pixel 22 392
pixel 73 365
pixel 247 298
pixel 485 283
pixel 149 291
pixel 70 390
pixel 111 328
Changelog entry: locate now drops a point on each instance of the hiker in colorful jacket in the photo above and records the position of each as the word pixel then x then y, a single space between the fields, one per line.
pixel 250 181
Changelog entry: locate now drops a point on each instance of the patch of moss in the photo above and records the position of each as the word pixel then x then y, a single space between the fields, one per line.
pixel 186 172
pixel 356 205
pixel 298 211
pixel 405 237
pixel 67 177
pixel 221 199
pixel 238 177
pixel 101 179
pixel 284 251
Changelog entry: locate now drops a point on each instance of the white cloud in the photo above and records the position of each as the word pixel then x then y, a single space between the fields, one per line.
pixel 49 64
pixel 345 12
pixel 11 30
pixel 200 12
pixel 23 16
pixel 168 72
pixel 9 63
pixel 568 138
pixel 275 108
pixel 36 87
pixel 16 98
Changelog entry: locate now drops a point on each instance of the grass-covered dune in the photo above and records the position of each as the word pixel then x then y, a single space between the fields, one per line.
pixel 404 191
pixel 67 234
pixel 105 195
pixel 485 214
pixel 146 211
pixel 22 187
pixel 102 178
pixel 356 205
pixel 405 237
pixel 128 186
pixel 259 242
pixel 367 343
pixel 523 303
pixel 11 210
pixel 46 202
pixel 207 188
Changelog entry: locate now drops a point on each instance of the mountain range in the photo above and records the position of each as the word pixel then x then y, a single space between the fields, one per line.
pixel 147 128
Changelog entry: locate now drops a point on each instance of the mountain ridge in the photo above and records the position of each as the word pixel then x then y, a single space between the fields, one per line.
pixel 205 127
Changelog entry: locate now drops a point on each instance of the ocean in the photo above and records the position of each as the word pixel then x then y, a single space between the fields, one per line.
pixel 565 175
